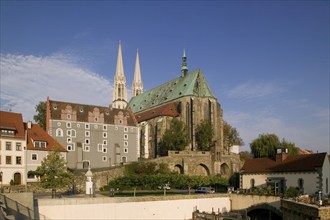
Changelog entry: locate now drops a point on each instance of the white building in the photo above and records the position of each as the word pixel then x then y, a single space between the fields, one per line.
pixel 309 172
pixel 12 149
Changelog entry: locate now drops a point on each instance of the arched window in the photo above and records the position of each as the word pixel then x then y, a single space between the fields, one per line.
pixel 59 132
pixel 252 183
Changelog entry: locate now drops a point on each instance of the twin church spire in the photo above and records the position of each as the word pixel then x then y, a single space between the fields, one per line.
pixel 119 97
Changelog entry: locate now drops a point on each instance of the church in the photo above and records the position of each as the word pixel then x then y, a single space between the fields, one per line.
pixel 188 98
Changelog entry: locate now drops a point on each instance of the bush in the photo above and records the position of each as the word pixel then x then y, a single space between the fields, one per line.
pixel 292 192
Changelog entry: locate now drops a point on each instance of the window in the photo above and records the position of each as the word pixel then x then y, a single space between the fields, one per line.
pixel 73 133
pixel 105 134
pixel 59 132
pixel 104 149
pixel 8 159
pixel 87 134
pixel 125 150
pixel 18 146
pixel 69 140
pixel 70 147
pixel 104 158
pixel 105 142
pixel 39 144
pixel 58 123
pixel 34 157
pixel 124 159
pixel 125 129
pixel 78 125
pixel 86 148
pixel 126 143
pixel 86 126
pixel 68 124
pixel 125 136
pixel 104 127
pixel 96 126
pixel 8 145
pixel 69 116
pixel 99 147
pixel 86 141
pixel 252 183
pixel 18 160
pixel 301 185
pixel 68 133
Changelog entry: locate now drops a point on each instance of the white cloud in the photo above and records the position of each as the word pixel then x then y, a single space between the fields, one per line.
pixel 26 80
pixel 254 90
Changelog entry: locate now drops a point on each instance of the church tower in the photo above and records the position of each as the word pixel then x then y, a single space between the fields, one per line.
pixel 119 97
pixel 137 85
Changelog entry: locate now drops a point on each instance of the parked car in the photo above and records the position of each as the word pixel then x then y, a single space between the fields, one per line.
pixel 205 190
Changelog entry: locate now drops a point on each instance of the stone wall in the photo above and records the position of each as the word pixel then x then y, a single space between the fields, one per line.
pixel 296 211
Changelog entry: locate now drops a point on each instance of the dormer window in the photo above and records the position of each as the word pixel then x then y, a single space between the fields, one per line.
pixel 39 144
pixel 5 132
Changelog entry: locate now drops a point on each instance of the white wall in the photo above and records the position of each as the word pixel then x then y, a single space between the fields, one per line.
pixel 325 175
pixel 109 208
pixel 310 180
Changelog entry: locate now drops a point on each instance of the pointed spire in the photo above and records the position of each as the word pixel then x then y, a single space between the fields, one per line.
pixel 137 86
pixel 184 68
pixel 120 66
pixel 119 97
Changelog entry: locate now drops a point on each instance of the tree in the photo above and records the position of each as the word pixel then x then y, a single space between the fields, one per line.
pixel 53 172
pixel 266 144
pixel 204 134
pixel 230 136
pixel 245 156
pixel 40 118
pixel 176 137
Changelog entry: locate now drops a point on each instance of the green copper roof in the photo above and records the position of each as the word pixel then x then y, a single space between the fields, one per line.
pixel 193 84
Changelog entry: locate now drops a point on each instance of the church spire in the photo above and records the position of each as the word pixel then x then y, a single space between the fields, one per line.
pixel 137 86
pixel 119 98
pixel 184 67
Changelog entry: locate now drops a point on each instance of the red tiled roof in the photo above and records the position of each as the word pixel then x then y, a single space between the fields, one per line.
pixel 296 163
pixel 36 133
pixel 169 109
pixel 12 121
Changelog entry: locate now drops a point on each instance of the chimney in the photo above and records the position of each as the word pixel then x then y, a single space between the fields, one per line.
pixel 281 154
pixel 29 124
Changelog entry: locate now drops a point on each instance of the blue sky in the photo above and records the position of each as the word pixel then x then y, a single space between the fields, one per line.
pixel 267 62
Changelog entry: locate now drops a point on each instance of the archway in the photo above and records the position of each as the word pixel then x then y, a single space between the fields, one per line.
pixel 224 170
pixel 17 178
pixel 178 168
pixel 202 170
pixel 264 211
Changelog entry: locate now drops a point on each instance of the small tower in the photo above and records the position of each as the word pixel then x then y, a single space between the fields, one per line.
pixel 137 85
pixel 119 97
pixel 184 67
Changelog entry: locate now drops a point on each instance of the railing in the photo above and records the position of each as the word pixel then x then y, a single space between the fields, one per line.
pixel 19 210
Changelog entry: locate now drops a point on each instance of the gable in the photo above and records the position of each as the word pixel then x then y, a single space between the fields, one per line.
pixel 192 84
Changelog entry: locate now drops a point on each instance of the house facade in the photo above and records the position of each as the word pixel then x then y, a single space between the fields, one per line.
pixel 94 136
pixel 22 148
pixel 39 144
pixel 310 173
pixel 12 149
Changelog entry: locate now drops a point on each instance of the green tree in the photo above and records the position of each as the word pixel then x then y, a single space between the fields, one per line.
pixel 40 118
pixel 204 134
pixel 53 172
pixel 266 144
pixel 245 156
pixel 176 137
pixel 230 136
